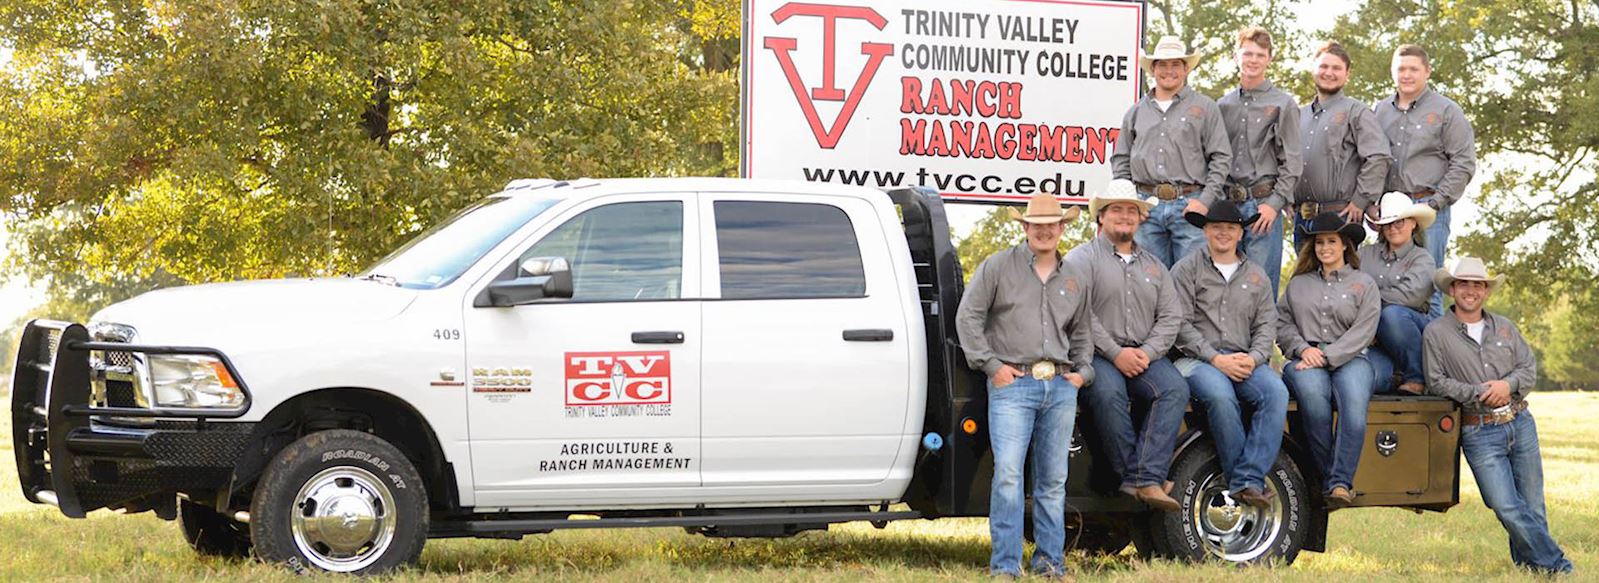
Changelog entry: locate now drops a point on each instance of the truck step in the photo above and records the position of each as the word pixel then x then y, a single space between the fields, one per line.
pixel 491 527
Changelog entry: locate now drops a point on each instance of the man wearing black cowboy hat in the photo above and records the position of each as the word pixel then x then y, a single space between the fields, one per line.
pixel 1025 322
pixel 1226 341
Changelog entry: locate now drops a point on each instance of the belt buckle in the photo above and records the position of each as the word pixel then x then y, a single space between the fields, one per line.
pixel 1307 211
pixel 1166 191
pixel 1238 193
pixel 1044 370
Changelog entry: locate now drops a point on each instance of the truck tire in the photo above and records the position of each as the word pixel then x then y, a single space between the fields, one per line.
pixel 1212 526
pixel 341 501
pixel 212 534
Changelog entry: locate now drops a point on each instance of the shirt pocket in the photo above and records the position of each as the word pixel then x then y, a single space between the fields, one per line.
pixel 1423 132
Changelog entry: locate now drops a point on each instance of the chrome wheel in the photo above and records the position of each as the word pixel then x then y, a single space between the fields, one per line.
pixel 1230 529
pixel 343 519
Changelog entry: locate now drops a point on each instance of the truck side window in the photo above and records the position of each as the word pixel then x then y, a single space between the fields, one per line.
pixel 772 250
pixel 623 251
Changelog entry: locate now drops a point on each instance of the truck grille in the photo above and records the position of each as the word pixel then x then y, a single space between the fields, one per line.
pixel 120 394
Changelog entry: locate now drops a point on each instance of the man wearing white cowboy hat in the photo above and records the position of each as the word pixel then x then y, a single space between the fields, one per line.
pixel 1433 145
pixel 1480 360
pixel 1136 318
pixel 1263 123
pixel 1173 146
pixel 1024 321
pixel 1403 271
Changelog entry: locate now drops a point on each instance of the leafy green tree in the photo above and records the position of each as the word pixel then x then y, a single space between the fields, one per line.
pixel 1525 74
pixel 217 140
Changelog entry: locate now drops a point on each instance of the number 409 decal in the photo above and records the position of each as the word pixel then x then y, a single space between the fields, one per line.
pixel 446 334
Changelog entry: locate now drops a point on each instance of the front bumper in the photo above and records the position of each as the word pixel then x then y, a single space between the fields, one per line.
pixel 69 456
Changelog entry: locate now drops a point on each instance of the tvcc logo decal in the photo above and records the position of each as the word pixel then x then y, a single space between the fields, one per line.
pixel 783 47
pixel 618 378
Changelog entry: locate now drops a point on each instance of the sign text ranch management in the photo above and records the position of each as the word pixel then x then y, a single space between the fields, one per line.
pixel 983 101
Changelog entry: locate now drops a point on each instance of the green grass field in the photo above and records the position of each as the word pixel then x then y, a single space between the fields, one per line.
pixel 36 543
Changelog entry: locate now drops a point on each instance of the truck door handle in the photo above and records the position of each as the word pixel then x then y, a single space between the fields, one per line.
pixel 659 337
pixel 868 335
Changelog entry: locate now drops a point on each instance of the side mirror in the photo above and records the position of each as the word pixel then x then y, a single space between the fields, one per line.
pixel 537 278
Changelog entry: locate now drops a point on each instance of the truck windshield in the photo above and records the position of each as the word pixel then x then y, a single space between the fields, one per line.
pixel 440 254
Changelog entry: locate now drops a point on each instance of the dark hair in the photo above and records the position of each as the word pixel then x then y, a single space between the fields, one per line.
pixel 1413 51
pixel 1257 35
pixel 1308 261
pixel 1335 49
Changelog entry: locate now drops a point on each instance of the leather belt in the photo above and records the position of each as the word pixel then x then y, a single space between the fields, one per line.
pixel 1167 190
pixel 1241 193
pixel 1494 418
pixel 1422 194
pixel 1309 210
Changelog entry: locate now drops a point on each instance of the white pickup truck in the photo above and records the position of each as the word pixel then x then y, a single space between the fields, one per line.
pixel 734 357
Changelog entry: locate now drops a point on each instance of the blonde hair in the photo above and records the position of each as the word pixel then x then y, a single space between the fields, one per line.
pixel 1257 35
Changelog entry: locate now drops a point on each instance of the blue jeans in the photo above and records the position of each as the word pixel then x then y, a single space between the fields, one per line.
pixel 1399 337
pixel 1509 472
pixel 1245 457
pixel 1382 372
pixel 1041 413
pixel 1318 391
pixel 1166 234
pixel 1140 458
pixel 1437 243
pixel 1267 249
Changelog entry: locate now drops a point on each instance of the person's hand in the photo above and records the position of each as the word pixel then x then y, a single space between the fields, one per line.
pixel 1351 213
pixel 1262 224
pixel 1131 362
pixel 1497 395
pixel 1311 358
pixel 1075 379
pixel 1006 375
pixel 1237 366
pixel 1194 206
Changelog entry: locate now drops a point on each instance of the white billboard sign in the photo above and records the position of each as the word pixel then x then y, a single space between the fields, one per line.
pixel 981 100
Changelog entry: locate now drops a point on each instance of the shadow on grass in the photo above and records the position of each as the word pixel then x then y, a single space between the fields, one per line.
pixel 592 555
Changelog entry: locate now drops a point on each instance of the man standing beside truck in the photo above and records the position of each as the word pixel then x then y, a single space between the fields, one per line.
pixel 1136 320
pixel 1024 321
pixel 1480 360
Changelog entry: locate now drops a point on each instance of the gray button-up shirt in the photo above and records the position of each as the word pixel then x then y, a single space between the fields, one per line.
pixel 1404 277
pixel 1346 153
pixel 1224 316
pixel 1263 124
pixel 1433 147
pixel 1008 315
pixel 1336 313
pixel 1186 144
pixel 1134 303
pixel 1457 366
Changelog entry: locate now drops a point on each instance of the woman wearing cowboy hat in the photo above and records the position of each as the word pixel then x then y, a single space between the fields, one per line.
pixel 1325 320
pixel 1403 270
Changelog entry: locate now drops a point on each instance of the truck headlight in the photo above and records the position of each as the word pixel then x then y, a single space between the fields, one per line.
pixel 194 382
